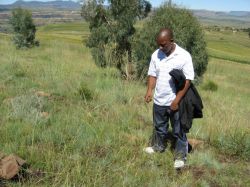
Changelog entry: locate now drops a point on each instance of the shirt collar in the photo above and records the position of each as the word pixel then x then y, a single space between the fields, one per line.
pixel 162 55
pixel 176 51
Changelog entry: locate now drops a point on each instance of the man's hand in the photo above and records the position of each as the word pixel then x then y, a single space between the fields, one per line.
pixel 174 105
pixel 180 94
pixel 151 85
pixel 148 97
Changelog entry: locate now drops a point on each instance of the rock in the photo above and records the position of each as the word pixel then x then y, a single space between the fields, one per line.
pixel 10 166
pixel 42 94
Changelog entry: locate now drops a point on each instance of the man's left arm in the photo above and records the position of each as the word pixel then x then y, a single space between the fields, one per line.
pixel 179 95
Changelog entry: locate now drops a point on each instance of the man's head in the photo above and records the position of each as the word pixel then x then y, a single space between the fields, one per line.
pixel 165 40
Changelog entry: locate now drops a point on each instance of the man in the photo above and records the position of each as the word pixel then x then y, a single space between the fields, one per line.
pixel 169 56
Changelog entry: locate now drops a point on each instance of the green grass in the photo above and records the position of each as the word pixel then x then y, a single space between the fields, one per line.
pixel 98 124
pixel 229 46
pixel 71 32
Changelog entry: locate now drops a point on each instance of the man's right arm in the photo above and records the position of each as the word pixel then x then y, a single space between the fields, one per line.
pixel 151 85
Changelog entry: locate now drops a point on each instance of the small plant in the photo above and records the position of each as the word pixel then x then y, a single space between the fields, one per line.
pixel 210 86
pixel 85 93
pixel 29 108
pixel 235 144
pixel 17 69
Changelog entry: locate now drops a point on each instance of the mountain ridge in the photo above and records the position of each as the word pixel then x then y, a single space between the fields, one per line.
pixel 62 4
pixel 57 4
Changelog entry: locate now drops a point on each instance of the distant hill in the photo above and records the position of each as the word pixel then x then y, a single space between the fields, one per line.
pixel 232 18
pixel 240 19
pixel 218 14
pixel 58 4
pixel 239 13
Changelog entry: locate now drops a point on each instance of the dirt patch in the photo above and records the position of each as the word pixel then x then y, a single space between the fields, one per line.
pixel 196 144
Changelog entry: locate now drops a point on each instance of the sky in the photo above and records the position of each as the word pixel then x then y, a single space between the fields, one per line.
pixel 217 5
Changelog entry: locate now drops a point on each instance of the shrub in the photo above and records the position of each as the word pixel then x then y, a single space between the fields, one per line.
pixel 29 108
pixel 85 93
pixel 24 28
pixel 187 33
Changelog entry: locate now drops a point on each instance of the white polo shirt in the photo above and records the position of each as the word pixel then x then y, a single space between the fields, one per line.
pixel 161 65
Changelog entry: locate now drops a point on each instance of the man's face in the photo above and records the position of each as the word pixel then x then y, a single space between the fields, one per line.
pixel 165 44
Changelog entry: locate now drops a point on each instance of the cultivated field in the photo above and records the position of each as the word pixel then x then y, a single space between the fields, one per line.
pixel 79 125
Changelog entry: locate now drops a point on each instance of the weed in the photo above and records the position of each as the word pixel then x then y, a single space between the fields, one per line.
pixel 85 93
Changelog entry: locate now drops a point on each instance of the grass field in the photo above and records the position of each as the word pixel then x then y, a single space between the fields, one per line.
pixel 229 46
pixel 88 127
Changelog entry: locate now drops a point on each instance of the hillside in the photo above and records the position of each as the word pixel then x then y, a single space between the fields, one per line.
pixel 79 125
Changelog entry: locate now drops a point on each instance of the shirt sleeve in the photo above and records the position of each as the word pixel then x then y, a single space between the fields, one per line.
pixel 188 68
pixel 152 68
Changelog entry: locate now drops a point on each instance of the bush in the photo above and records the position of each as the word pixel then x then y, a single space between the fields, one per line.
pixel 187 31
pixel 24 28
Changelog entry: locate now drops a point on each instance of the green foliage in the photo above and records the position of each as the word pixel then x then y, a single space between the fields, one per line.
pixel 112 28
pixel 24 28
pixel 95 13
pixel 187 33
pixel 235 144
pixel 210 86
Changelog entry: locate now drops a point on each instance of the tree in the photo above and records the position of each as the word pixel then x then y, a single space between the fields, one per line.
pixel 112 29
pixel 94 12
pixel 187 31
pixel 24 28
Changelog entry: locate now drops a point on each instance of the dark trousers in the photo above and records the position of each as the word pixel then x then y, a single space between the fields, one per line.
pixel 161 117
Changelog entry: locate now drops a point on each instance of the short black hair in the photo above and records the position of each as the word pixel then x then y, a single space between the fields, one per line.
pixel 167 30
